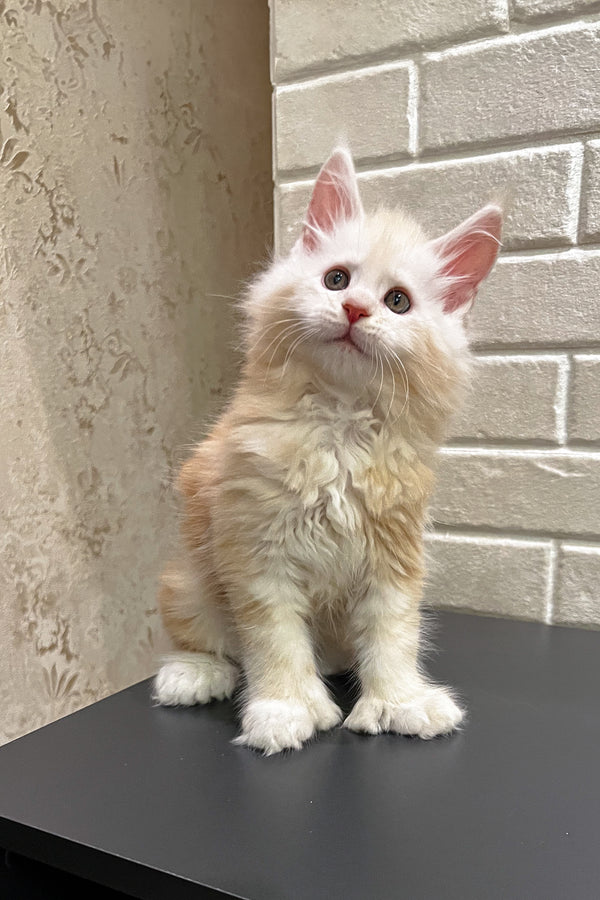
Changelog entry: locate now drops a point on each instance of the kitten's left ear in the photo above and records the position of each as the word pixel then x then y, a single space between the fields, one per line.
pixel 334 199
pixel 467 254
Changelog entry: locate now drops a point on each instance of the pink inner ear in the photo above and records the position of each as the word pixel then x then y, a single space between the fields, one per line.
pixel 468 254
pixel 334 199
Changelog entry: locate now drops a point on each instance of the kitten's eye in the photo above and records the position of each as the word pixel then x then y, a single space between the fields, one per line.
pixel 397 300
pixel 336 279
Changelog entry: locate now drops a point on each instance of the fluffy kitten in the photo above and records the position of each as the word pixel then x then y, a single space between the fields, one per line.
pixel 305 507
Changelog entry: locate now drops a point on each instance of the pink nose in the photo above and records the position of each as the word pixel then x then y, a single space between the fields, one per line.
pixel 355 312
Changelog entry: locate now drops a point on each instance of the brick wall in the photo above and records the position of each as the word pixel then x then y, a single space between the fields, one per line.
pixel 445 106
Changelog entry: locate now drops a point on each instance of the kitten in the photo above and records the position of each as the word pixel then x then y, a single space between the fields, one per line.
pixel 305 507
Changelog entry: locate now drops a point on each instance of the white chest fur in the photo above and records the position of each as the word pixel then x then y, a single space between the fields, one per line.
pixel 313 474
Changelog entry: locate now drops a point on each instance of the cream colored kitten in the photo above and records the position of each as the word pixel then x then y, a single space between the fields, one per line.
pixel 305 507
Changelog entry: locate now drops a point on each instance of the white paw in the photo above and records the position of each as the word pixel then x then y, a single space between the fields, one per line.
pixel 275 725
pixel 189 678
pixel 426 715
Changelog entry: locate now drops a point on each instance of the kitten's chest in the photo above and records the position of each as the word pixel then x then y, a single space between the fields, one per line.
pixel 329 452
pixel 338 466
pixel 340 496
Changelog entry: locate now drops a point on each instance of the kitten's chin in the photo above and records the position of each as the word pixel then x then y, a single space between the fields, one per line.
pixel 346 344
pixel 341 361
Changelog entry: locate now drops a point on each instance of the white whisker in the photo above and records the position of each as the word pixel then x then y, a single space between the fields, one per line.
pixel 402 368
pixel 288 335
pixel 393 387
pixel 309 331
pixel 379 362
pixel 288 330
pixel 264 332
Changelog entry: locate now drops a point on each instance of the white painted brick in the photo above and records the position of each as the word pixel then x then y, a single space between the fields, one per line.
pixel 578 586
pixel 551 492
pixel 590 193
pixel 542 198
pixel 488 575
pixel 532 9
pixel 523 85
pixel 441 77
pixel 311 35
pixel 540 300
pixel 514 398
pixel 584 407
pixel 311 117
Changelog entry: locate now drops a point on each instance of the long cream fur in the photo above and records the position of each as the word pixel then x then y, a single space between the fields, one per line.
pixel 304 509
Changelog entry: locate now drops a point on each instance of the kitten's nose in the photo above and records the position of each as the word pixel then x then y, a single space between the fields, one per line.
pixel 354 312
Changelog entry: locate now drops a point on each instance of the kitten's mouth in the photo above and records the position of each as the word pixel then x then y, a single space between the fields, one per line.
pixel 347 341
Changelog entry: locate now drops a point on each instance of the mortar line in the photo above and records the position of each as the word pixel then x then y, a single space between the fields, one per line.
pixel 574 193
pixel 562 400
pixel 530 347
pixel 539 353
pixel 524 450
pixel 413 109
pixel 551 582
pixel 585 540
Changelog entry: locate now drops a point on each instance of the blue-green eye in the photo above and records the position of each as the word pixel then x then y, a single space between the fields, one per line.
pixel 397 300
pixel 336 279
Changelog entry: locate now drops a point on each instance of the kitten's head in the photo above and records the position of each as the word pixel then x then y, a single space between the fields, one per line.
pixel 367 301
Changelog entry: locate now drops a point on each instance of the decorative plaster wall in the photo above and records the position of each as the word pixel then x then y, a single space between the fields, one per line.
pixel 135 189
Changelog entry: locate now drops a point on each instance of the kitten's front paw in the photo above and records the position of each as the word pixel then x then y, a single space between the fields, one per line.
pixel 275 725
pixel 426 715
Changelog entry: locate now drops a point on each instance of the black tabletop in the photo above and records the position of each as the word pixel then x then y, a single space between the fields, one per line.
pixel 158 803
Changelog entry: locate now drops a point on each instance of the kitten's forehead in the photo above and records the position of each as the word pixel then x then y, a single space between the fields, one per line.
pixel 392 233
pixel 380 241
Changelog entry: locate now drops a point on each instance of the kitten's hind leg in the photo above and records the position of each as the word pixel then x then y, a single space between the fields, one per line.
pixel 185 679
pixel 200 669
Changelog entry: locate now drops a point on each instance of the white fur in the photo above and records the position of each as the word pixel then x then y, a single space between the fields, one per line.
pixel 425 715
pixel 274 725
pixel 316 479
pixel 185 679
pixel 380 252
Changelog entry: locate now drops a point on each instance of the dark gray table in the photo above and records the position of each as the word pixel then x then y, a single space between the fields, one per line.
pixel 158 803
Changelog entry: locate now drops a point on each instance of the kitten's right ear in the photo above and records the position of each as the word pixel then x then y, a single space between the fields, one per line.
pixel 467 254
pixel 334 199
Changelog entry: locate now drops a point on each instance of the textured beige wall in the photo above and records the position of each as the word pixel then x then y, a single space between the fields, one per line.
pixel 135 186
